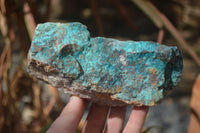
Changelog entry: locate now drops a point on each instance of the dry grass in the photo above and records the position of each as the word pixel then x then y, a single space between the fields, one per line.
pixel 22 108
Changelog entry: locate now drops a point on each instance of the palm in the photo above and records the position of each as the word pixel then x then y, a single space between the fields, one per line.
pixel 71 115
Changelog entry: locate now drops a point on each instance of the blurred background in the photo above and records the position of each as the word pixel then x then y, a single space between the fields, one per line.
pixel 28 105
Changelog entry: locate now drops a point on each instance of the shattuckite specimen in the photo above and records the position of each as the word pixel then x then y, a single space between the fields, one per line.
pixel 104 70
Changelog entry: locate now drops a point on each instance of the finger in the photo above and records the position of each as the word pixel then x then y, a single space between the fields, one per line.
pixel 96 119
pixel 69 119
pixel 136 120
pixel 116 120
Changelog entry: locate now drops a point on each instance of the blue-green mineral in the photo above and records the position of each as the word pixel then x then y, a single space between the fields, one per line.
pixel 104 70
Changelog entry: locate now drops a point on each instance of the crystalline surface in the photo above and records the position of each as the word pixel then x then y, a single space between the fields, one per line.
pixel 105 70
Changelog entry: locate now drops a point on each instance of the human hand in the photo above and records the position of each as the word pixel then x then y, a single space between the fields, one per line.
pixel 71 115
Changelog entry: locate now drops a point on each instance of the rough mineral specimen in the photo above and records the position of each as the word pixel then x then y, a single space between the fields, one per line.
pixel 104 70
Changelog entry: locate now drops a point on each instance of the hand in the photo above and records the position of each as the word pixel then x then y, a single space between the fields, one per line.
pixel 71 115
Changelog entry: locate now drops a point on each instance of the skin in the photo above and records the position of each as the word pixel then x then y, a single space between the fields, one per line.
pixel 71 115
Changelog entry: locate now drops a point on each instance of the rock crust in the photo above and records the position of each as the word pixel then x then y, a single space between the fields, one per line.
pixel 104 70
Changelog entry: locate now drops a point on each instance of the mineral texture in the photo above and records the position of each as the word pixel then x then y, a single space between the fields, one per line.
pixel 104 70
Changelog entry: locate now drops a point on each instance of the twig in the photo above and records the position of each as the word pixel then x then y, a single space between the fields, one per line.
pixel 161 34
pixel 124 14
pixel 2 6
pixel 48 11
pixel 37 100
pixel 34 10
pixel 2 95
pixel 160 20
pixel 24 37
pixel 4 28
pixel 97 17
pixel 29 20
pixel 142 4
pixel 194 126
pixel 55 94
pixel 180 39
pixel 49 107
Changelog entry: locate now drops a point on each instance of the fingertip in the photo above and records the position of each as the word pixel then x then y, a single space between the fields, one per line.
pixel 96 119
pixel 136 119
pixel 70 116
pixel 116 120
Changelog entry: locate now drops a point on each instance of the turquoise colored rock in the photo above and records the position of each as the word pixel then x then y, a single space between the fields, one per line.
pixel 104 70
